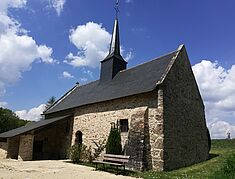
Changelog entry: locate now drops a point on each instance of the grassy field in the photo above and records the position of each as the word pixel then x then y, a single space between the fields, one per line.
pixel 221 165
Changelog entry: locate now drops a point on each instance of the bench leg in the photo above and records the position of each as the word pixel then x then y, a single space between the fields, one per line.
pixel 103 166
pixel 95 166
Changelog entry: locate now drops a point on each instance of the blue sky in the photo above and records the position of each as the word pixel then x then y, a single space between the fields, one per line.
pixel 52 61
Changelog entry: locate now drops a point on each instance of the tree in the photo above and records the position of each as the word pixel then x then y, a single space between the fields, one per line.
pixel 9 120
pixel 50 102
pixel 114 145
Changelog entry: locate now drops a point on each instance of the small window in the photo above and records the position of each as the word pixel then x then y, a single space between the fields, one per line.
pixel 124 125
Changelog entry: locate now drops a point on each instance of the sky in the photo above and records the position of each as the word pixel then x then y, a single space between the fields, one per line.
pixel 46 46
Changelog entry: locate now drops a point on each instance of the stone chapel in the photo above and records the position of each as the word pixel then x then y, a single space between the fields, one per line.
pixel 157 105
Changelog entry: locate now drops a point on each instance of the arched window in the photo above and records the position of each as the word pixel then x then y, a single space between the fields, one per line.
pixel 78 139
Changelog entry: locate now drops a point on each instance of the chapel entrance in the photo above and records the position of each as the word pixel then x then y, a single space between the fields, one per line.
pixel 38 150
pixel 51 142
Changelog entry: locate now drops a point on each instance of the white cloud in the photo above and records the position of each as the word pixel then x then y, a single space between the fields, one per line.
pixel 92 41
pixel 217 86
pixel 3 104
pixel 219 129
pixel 58 5
pixel 18 49
pixel 67 75
pixel 45 53
pixel 5 4
pixel 129 56
pixel 33 114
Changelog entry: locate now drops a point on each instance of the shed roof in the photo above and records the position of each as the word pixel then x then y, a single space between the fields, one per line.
pixel 31 126
pixel 140 79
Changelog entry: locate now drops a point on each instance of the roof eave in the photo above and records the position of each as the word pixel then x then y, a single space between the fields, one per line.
pixel 170 65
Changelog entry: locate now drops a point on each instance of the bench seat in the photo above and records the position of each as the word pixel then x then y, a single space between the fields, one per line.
pixel 115 160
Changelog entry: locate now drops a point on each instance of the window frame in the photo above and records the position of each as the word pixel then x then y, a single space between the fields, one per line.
pixel 124 125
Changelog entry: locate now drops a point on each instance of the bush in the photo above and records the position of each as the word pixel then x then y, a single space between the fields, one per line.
pixel 80 153
pixel 114 145
pixel 100 146
pixel 75 153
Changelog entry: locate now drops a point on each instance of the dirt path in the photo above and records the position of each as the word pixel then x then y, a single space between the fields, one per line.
pixel 13 169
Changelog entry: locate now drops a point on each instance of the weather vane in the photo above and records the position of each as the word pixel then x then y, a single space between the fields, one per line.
pixel 117 8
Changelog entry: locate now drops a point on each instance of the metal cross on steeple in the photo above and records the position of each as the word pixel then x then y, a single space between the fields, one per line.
pixel 117 8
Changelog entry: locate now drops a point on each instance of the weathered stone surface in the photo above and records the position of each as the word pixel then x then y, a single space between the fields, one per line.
pixel 185 138
pixel 143 113
pixel 13 147
pixel 3 150
pixel 136 138
pixel 26 147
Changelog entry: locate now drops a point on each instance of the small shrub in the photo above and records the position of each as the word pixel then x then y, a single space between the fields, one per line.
pixel 75 153
pixel 100 146
pixel 114 145
pixel 80 153
pixel 86 154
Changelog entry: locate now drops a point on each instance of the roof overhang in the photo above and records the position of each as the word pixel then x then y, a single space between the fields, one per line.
pixel 32 126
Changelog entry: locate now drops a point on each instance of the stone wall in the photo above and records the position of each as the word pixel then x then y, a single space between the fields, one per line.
pixel 185 132
pixel 144 116
pixel 135 144
pixel 26 147
pixel 155 122
pixel 13 147
pixel 3 150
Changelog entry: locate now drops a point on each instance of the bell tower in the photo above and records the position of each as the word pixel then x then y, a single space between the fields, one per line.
pixel 114 62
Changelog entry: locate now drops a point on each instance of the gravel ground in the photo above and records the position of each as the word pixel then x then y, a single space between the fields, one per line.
pixel 14 169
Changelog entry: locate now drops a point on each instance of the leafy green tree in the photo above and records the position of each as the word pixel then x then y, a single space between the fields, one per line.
pixel 114 145
pixel 50 102
pixel 9 120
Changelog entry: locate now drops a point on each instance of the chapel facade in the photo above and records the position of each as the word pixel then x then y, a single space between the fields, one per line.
pixel 157 106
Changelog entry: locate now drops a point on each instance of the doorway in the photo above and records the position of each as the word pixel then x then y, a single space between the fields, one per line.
pixel 38 150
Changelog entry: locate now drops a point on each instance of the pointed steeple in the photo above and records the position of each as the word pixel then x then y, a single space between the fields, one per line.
pixel 114 62
pixel 115 42
pixel 114 49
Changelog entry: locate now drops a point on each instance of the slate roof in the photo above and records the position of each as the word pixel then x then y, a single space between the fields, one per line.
pixel 31 126
pixel 140 79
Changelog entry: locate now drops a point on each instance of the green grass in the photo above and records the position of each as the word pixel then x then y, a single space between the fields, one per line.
pixel 219 166
pixel 221 151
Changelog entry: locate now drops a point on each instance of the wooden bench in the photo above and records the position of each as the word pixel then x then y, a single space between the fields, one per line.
pixel 115 160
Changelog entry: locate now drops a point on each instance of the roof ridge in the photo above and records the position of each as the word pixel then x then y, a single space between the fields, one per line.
pixel 60 99
pixel 170 65
pixel 158 66
pixel 156 58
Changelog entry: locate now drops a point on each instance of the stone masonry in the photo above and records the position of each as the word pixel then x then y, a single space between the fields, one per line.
pixel 26 147
pixel 143 112
pixel 13 147
pixel 3 150
pixel 185 131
